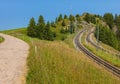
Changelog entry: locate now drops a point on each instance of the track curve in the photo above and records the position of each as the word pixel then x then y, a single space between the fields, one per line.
pixel 108 66
pixel 95 45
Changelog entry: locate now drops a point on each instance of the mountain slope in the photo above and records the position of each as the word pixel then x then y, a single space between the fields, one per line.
pixel 58 63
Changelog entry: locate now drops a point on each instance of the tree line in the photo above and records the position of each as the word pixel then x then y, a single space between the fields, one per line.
pixel 71 18
pixel 43 31
pixel 113 21
pixel 40 30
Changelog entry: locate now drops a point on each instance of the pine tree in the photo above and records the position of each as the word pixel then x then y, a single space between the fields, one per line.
pixel 60 18
pixel 71 18
pixel 109 19
pixel 40 27
pixel 90 18
pixel 62 31
pixel 47 32
pixel 63 23
pixel 87 18
pixel 115 20
pixel 53 24
pixel 78 18
pixel 31 30
pixel 65 17
pixel 117 23
pixel 56 20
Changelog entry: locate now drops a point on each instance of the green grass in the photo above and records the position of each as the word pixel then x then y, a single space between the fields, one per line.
pixel 1 39
pixel 58 62
pixel 104 55
pixel 59 36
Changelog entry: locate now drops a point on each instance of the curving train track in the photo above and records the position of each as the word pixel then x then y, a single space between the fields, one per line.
pixel 108 66
pixel 95 45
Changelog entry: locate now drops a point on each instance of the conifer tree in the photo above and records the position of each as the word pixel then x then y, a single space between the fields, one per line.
pixel 53 24
pixel 47 32
pixel 65 17
pixel 60 18
pixel 109 19
pixel 71 18
pixel 31 30
pixel 40 27
pixel 56 20
pixel 63 23
pixel 86 17
pixel 78 18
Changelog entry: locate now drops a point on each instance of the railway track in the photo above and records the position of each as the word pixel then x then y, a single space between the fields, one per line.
pixel 99 47
pixel 95 45
pixel 108 66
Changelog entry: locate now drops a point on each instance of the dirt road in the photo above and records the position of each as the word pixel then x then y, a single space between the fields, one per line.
pixel 13 54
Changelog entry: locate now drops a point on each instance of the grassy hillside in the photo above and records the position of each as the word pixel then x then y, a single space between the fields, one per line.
pixel 102 54
pixel 58 62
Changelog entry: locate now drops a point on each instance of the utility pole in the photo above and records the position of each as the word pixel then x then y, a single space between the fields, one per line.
pixel 69 24
pixel 97 35
pixel 75 23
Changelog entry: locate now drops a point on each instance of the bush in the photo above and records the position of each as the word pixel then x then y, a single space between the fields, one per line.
pixel 63 38
pixel 1 39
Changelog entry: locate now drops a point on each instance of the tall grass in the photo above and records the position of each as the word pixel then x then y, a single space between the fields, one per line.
pixel 58 62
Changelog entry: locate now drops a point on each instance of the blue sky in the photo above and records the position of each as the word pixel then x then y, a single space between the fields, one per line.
pixel 16 13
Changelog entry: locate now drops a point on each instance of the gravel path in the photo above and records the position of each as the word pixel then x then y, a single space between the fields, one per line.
pixel 13 54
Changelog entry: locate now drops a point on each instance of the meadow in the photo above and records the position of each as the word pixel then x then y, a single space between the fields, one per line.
pixel 58 62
